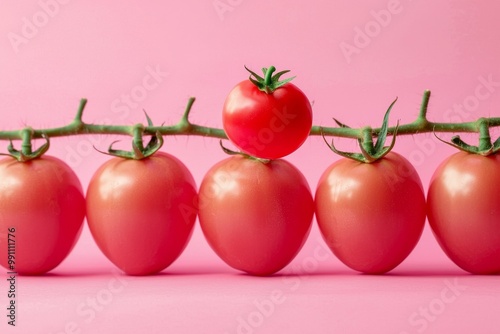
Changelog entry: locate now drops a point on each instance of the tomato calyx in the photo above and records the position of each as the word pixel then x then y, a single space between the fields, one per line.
pixel 485 147
pixel 26 153
pixel 370 152
pixel 139 151
pixel 269 83
pixel 243 154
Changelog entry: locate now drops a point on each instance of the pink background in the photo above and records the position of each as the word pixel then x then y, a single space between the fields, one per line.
pixel 104 51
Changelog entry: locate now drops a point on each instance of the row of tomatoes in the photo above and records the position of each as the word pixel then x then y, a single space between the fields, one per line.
pixel 256 216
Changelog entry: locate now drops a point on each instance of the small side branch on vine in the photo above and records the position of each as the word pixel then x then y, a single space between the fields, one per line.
pixel 184 124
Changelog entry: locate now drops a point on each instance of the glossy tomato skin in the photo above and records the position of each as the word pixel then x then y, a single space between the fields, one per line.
pixel 371 215
pixel 42 199
pixel 141 213
pixel 464 211
pixel 268 126
pixel 255 216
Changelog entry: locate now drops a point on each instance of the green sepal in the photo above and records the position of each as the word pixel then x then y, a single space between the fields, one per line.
pixel 243 154
pixel 369 152
pixel 365 156
pixel 379 145
pixel 485 147
pixel 350 155
pixel 150 122
pixel 269 83
pixel 257 77
pixel 21 156
pixel 138 150
pixel 137 153
pixel 496 145
pixel 458 143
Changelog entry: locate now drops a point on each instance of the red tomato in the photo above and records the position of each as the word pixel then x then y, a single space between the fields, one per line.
pixel 464 211
pixel 141 213
pixel 267 126
pixel 371 215
pixel 255 216
pixel 43 207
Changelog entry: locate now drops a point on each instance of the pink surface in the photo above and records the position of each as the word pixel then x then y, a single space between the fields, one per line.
pixel 351 59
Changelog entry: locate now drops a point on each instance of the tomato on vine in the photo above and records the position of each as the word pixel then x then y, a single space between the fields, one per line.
pixel 141 207
pixel 42 208
pixel 265 117
pixel 371 215
pixel 370 206
pixel 141 212
pixel 256 216
pixel 463 206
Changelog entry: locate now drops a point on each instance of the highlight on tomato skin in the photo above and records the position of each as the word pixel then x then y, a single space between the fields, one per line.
pixel 141 213
pixel 255 216
pixel 371 215
pixel 463 207
pixel 42 206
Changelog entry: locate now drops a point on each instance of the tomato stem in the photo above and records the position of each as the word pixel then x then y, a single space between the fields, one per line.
pixel 484 135
pixel 367 141
pixel 268 79
pixel 26 153
pixel 26 147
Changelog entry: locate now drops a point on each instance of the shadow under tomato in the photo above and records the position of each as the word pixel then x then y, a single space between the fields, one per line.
pixel 217 270
pixel 434 273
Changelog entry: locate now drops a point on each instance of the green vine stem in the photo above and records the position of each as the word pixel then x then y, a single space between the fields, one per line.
pixel 78 127
pixel 185 127
pixel 420 125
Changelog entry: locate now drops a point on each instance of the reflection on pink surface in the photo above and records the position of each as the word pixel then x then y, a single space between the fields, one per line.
pixel 434 300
